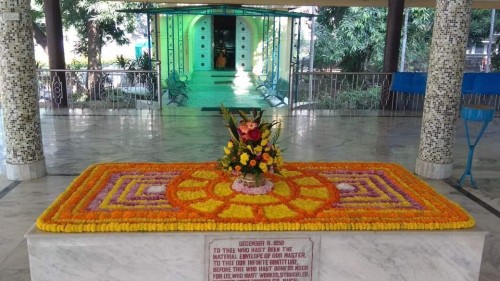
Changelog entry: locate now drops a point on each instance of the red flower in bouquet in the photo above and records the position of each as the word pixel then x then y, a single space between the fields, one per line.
pixel 249 131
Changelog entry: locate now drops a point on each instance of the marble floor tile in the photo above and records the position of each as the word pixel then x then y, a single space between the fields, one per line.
pixel 15 267
pixel 74 139
pixel 18 259
pixel 4 182
pixel 485 221
pixel 20 208
pixel 15 274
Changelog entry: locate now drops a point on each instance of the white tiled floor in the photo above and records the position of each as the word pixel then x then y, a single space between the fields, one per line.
pixel 75 139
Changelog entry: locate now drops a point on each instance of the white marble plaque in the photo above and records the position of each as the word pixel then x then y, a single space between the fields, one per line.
pixel 189 256
pixel 260 259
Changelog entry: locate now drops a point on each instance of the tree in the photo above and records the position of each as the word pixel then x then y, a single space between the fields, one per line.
pixel 480 25
pixel 39 29
pixel 420 24
pixel 97 23
pixel 495 62
pixel 480 32
pixel 358 37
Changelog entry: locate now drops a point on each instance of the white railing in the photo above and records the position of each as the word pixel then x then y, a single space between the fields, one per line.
pixel 98 89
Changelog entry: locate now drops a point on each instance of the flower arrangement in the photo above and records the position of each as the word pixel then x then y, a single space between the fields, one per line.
pixel 252 148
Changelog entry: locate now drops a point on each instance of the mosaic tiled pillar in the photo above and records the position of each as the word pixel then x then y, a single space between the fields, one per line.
pixel 21 117
pixel 442 98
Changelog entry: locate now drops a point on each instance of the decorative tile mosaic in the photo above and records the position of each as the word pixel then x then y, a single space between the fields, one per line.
pixel 21 117
pixel 198 197
pixel 446 65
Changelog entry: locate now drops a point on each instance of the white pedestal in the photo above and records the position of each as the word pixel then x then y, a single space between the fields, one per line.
pixel 179 256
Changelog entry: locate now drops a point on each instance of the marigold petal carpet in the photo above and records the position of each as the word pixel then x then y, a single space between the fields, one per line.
pixel 118 197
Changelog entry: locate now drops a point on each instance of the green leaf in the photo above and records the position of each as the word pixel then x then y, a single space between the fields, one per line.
pixel 244 116
pixel 258 117
pixel 277 133
pixel 233 129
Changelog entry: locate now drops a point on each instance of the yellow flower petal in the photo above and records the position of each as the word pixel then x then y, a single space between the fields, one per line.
pixel 193 183
pixel 254 199
pixel 278 212
pixel 289 174
pixel 307 181
pixel 223 189
pixel 207 206
pixel 237 211
pixel 191 195
pixel 206 175
pixel 320 192
pixel 265 134
pixel 263 167
pixel 305 204
pixel 281 188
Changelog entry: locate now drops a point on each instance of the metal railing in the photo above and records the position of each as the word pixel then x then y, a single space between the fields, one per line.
pixel 338 90
pixel 99 89
pixel 413 104
pixel 355 92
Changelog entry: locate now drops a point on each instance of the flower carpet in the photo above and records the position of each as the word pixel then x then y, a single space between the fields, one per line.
pixel 115 197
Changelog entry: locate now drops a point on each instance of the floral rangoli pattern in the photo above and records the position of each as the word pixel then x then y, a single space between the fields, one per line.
pixel 198 197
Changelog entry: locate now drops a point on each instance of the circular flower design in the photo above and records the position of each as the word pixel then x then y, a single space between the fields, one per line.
pixel 208 194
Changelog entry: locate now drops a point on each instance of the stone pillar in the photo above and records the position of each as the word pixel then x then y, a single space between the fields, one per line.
pixel 444 82
pixel 21 116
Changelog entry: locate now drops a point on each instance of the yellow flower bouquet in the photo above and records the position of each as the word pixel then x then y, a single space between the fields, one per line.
pixel 251 150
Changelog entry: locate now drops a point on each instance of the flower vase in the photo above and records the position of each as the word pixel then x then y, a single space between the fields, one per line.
pixel 252 180
pixel 252 184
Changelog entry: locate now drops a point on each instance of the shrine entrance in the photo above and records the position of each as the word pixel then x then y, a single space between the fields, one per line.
pixel 224 42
